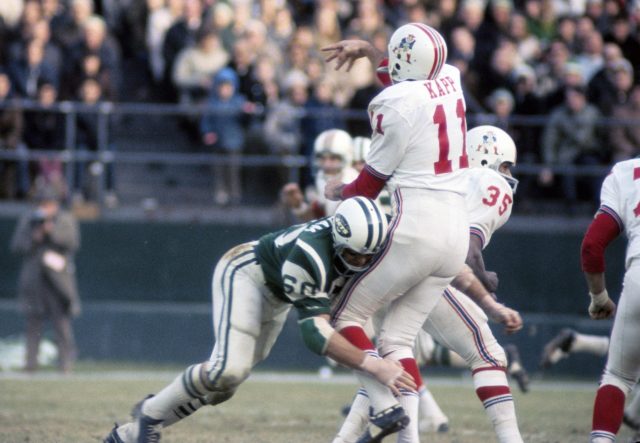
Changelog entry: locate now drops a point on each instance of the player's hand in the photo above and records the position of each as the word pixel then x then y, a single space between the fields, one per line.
pixel 499 313
pixel 333 190
pixel 292 196
pixel 601 306
pixel 389 372
pixel 346 51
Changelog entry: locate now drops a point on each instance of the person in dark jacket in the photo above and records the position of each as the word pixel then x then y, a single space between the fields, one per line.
pixel 47 238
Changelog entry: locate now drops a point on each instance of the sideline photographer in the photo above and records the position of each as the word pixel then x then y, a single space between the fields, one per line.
pixel 47 238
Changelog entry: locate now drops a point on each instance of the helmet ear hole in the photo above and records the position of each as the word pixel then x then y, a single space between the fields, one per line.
pixel 484 163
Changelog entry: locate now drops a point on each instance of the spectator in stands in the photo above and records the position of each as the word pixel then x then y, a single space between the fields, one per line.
pixel 47 237
pixel 590 59
pixel 97 41
pixel 223 130
pixel 195 67
pixel 541 20
pixel 31 14
pixel 572 76
pixel 160 17
pixel 620 81
pixel 571 137
pixel 14 180
pixel 625 139
pixel 283 131
pixel 528 46
pixel 566 32
pixel 44 129
pixel 87 139
pixel 68 29
pixel 180 35
pixel 27 72
pixel 621 34
pixel 222 21
pixel 283 28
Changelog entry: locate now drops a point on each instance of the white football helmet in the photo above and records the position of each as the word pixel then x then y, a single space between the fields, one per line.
pixel 416 52
pixel 359 225
pixel 490 147
pixel 361 147
pixel 335 142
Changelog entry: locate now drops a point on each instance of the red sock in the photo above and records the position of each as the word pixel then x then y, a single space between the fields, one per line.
pixel 410 365
pixel 357 337
pixel 487 392
pixel 608 409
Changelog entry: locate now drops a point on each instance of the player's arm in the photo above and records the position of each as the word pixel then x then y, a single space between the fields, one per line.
pixel 292 197
pixel 468 283
pixel 475 261
pixel 601 232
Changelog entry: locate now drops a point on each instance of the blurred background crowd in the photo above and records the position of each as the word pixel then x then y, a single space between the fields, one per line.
pixel 561 76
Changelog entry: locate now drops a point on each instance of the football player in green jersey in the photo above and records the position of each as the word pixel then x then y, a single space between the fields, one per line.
pixel 254 286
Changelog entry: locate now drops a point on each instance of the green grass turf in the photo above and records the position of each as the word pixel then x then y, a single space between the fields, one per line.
pixel 82 408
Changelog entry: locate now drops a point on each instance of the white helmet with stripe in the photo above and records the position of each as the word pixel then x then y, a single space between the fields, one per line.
pixel 360 226
pixel 361 147
pixel 334 142
pixel 490 147
pixel 416 52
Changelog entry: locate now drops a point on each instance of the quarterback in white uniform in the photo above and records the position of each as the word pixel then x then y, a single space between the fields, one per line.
pixel 456 321
pixel 418 152
pixel 619 212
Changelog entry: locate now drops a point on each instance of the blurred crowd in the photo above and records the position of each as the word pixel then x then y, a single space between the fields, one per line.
pixel 259 64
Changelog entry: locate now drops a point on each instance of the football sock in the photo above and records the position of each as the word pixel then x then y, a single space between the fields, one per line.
pixel 356 421
pixel 430 411
pixel 410 402
pixel 380 395
pixel 161 405
pixel 607 414
pixel 592 344
pixel 493 391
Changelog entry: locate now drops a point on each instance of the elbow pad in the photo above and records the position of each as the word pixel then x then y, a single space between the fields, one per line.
pixel 316 332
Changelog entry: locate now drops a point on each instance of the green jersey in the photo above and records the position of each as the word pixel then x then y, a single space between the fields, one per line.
pixel 298 266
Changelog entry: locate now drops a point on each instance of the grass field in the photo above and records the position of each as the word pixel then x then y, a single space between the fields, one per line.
pixel 48 408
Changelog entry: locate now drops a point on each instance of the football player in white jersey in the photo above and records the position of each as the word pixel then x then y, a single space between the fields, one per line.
pixel 333 156
pixel 456 321
pixel 418 152
pixel 254 286
pixel 619 212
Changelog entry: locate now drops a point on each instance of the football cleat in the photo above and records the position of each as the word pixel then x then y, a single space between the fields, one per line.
pixel 113 436
pixel 558 348
pixel 428 425
pixel 149 429
pixel 515 369
pixel 384 423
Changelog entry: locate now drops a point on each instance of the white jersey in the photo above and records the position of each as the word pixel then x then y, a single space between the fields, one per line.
pixel 419 131
pixel 347 175
pixel 620 198
pixel 489 201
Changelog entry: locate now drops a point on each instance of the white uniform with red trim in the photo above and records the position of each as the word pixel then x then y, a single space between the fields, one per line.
pixel 457 322
pixel 620 198
pixel 418 145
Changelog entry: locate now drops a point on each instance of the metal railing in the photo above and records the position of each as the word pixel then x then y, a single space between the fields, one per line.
pixel 106 111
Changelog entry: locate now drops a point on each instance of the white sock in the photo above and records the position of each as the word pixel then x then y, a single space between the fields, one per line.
pixel 430 412
pixel 162 405
pixel 493 390
pixel 380 396
pixel 356 421
pixel 592 344
pixel 602 437
pixel 410 402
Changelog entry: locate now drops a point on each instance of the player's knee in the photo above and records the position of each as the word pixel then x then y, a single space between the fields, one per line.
pixel 215 398
pixel 213 377
pixel 395 351
pixel 622 382
pixel 492 355
pixel 232 377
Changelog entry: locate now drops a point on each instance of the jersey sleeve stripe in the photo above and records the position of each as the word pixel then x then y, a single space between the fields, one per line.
pixel 317 261
pixel 478 233
pixel 376 174
pixel 607 210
